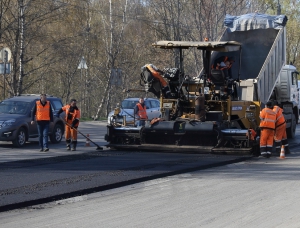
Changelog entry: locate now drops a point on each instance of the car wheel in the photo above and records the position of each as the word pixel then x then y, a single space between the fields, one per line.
pixel 57 134
pixel 20 140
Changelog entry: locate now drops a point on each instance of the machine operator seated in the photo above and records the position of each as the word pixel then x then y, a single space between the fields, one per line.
pixel 224 63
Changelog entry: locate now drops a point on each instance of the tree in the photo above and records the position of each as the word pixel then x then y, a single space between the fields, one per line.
pixel 291 10
pixel 116 25
pixel 29 41
pixel 48 39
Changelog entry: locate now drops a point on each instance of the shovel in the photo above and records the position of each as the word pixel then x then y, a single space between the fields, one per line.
pixel 98 147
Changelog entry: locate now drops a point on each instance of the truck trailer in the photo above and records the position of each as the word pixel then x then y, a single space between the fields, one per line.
pixel 218 111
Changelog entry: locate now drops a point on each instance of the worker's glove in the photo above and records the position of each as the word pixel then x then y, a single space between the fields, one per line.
pixel 74 123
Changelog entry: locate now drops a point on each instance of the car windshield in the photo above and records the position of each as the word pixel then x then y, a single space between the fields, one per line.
pixel 14 107
pixel 129 104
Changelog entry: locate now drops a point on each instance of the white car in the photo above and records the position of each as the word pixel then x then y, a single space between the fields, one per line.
pixel 127 109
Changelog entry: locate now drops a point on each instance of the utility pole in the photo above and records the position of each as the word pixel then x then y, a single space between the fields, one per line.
pixel 5 55
pixel 278 8
pixel 21 28
pixel 82 65
pixel 5 60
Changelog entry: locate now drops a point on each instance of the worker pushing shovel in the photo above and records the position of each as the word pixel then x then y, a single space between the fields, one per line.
pixel 72 123
pixel 98 147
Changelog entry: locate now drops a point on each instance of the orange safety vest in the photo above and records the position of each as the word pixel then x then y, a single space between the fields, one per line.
pixel 42 112
pixel 75 114
pixel 279 116
pixel 267 118
pixel 142 111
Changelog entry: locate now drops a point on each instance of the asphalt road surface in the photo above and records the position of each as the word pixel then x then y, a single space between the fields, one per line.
pixel 147 189
pixel 34 177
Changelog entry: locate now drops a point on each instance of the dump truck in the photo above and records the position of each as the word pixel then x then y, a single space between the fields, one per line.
pixel 218 112
pixel 264 73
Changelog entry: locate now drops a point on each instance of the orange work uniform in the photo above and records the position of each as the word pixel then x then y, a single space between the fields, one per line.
pixel 72 115
pixel 267 124
pixel 280 129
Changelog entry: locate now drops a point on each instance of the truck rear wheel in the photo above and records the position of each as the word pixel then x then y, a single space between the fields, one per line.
pixel 291 131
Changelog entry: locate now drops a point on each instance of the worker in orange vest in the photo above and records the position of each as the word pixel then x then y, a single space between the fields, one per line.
pixel 267 125
pixel 140 111
pixel 42 112
pixel 280 136
pixel 72 122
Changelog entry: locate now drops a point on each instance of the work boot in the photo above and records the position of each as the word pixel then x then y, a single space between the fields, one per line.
pixel 277 150
pixel 286 146
pixel 287 150
pixel 74 144
pixel 68 141
pixel 277 147
pixel 264 154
